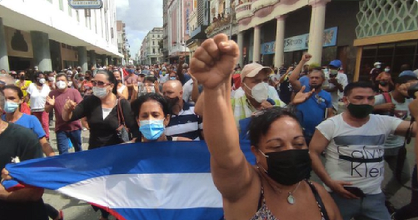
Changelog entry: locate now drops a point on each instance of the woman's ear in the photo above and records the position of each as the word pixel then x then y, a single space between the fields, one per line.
pixel 167 120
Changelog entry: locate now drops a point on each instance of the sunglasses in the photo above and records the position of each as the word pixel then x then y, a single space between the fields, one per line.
pixel 99 83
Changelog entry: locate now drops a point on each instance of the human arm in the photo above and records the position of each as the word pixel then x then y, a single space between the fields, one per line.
pixel 329 203
pixel 195 90
pixel 73 111
pixel 316 147
pixel 125 93
pixel 212 65
pixel 294 77
pixel 128 116
pixel 50 103
pixel 46 147
pixel 330 112
pixel 22 195
pixel 180 70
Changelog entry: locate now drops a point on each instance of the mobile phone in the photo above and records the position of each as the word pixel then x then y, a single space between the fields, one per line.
pixel 355 191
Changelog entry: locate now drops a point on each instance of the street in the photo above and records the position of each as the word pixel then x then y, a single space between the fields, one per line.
pixel 78 210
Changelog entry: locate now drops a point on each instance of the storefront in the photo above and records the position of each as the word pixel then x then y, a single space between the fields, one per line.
pixel 389 35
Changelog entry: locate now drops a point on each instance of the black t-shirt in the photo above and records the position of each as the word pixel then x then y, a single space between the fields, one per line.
pixel 17 141
pixel 286 90
pixel 103 132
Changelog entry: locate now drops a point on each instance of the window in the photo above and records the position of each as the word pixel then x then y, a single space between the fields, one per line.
pixel 61 5
pixel 153 50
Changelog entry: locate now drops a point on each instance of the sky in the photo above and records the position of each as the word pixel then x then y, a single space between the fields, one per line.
pixel 140 16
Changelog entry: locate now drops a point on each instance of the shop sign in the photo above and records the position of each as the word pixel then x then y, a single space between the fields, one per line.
pixel 83 4
pixel 301 42
pixel 268 48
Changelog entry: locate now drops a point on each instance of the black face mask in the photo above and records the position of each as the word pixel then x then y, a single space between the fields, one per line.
pixel 22 77
pixel 119 81
pixel 171 102
pixel 360 111
pixel 383 83
pixel 288 167
pixel 87 78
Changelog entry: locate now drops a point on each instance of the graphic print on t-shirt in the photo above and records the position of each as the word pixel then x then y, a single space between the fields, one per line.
pixel 361 155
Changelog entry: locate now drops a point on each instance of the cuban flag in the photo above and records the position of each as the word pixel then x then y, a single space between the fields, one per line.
pixel 160 180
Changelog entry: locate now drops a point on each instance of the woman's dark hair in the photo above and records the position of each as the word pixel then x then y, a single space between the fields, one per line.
pixel 88 72
pixel 150 78
pixel 111 78
pixel 262 120
pixel 136 105
pixel 16 89
pixel 36 75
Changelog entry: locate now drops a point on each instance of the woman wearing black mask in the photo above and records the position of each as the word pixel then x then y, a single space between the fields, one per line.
pixel 276 187
pixel 122 90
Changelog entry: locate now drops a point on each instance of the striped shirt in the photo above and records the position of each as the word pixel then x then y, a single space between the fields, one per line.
pixel 186 124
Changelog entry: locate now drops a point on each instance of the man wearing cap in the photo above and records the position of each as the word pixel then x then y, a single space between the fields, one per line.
pixel 335 83
pixel 254 93
pixel 375 71
pixel 316 108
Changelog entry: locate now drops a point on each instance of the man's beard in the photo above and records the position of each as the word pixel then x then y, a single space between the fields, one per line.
pixel 318 86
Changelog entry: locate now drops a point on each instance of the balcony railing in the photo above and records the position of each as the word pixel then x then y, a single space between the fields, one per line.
pixel 220 24
pixel 243 10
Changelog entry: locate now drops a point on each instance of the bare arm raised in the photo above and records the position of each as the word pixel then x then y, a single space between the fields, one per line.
pixel 294 77
pixel 212 65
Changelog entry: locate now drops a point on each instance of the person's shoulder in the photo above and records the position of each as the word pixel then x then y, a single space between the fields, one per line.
pixel 21 131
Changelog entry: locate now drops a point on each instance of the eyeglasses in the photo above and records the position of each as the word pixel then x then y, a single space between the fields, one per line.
pixel 319 99
pixel 99 83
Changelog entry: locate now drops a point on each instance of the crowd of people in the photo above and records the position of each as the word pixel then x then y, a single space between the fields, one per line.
pixel 298 119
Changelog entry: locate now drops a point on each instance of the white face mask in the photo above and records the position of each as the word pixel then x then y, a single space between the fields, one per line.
pixel 51 79
pixel 61 85
pixel 42 81
pixel 99 92
pixel 387 70
pixel 259 92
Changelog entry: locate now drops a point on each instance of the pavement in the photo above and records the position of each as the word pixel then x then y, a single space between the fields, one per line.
pixel 74 209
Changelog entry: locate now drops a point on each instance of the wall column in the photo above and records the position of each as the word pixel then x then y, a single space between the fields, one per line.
pixel 257 44
pixel 41 51
pixel 240 40
pixel 82 58
pixel 279 50
pixel 104 60
pixel 316 32
pixel 4 59
pixel 93 59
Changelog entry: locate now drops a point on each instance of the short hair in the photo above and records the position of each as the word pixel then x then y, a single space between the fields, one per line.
pixel 354 85
pixel 260 123
pixel 111 78
pixel 320 71
pixel 61 74
pixel 404 79
pixel 136 105
pixel 16 89
pixel 2 100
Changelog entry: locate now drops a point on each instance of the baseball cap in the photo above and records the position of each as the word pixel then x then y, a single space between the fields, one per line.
pixel 252 69
pixel 407 73
pixel 335 63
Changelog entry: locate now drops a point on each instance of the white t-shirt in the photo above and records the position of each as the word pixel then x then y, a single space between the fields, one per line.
pixel 336 95
pixel 356 154
pixel 187 91
pixel 401 112
pixel 38 97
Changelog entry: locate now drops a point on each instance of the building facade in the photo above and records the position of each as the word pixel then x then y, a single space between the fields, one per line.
pixel 198 23
pixel 178 30
pixel 152 47
pixel 387 32
pixel 52 35
pixel 123 45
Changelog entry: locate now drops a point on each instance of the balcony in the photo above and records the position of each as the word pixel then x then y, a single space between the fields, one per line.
pixel 198 33
pixel 244 11
pixel 262 8
pixel 220 25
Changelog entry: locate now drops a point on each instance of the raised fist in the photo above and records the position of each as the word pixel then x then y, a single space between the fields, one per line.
pixel 214 61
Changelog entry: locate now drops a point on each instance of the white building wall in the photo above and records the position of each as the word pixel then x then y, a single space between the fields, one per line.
pixel 60 21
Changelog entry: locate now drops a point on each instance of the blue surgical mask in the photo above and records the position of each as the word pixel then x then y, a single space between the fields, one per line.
pixel 10 107
pixel 173 78
pixel 151 129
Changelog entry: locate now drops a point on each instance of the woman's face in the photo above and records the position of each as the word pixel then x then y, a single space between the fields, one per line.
pixel 117 75
pixel 12 96
pixel 284 134
pixel 152 110
pixel 100 80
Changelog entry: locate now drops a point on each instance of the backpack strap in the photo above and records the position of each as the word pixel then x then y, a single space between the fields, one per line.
pixel 388 99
